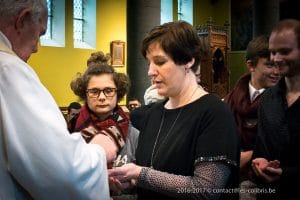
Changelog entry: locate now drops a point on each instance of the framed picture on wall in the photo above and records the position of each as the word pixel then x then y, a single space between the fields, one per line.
pixel 117 51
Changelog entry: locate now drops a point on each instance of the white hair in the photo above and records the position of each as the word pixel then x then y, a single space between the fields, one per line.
pixel 11 8
pixel 151 95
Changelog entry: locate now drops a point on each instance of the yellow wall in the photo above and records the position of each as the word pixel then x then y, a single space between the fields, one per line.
pixel 56 67
pixel 237 66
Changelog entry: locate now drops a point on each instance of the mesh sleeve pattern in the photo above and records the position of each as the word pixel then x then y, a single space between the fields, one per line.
pixel 207 175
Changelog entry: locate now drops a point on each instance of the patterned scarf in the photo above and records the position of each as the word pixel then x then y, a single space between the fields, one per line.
pixel 115 126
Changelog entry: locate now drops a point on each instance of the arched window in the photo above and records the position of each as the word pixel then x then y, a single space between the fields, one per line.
pixel 166 13
pixel 55 34
pixel 84 24
pixel 184 11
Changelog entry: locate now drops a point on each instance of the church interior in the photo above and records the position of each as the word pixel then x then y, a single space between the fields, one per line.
pixel 225 26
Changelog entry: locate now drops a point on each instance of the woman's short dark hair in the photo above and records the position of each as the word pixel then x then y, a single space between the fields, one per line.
pixel 179 40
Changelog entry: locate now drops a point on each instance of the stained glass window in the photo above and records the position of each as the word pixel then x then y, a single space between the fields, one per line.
pixel 78 21
pixel 84 23
pixel 48 34
pixel 166 11
pixel 185 10
pixel 55 34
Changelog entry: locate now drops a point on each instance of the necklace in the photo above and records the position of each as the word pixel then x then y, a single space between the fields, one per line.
pixel 154 153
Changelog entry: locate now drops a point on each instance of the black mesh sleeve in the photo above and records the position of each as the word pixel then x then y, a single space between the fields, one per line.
pixel 207 176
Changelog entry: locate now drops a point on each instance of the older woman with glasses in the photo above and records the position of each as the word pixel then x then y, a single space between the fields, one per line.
pixel 101 119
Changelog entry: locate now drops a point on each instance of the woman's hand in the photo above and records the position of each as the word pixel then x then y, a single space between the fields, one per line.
pixel 116 186
pixel 124 176
pixel 108 145
pixel 268 171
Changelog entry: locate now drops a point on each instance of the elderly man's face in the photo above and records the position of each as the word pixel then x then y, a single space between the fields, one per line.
pixel 28 34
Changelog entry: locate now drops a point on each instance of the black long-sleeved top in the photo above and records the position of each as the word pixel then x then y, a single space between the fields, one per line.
pixel 194 148
pixel 279 138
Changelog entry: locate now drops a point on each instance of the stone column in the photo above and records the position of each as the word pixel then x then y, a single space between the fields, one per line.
pixel 142 16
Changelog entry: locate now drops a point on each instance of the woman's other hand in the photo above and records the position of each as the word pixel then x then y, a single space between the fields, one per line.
pixel 124 176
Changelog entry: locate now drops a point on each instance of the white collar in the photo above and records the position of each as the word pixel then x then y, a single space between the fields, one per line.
pixel 5 44
pixel 252 90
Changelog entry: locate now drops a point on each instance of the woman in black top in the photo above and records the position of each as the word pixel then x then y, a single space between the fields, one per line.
pixel 188 145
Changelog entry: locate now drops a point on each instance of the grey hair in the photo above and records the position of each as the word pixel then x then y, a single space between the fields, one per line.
pixel 11 8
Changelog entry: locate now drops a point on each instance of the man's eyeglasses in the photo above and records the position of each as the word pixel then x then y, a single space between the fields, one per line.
pixel 133 105
pixel 95 92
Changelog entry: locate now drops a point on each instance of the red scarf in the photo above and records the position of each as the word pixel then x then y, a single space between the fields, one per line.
pixel 244 110
pixel 115 126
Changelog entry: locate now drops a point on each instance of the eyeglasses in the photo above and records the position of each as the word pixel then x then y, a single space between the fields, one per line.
pixel 95 92
pixel 133 105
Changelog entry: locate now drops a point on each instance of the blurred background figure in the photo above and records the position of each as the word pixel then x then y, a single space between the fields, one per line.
pixel 151 95
pixel 73 110
pixel 133 103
